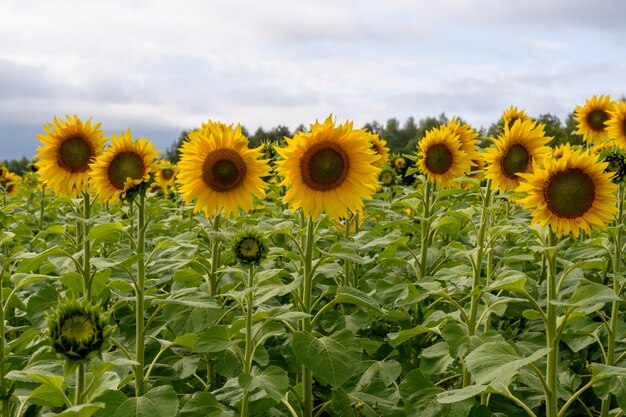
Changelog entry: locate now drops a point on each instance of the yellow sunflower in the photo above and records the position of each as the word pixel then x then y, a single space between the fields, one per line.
pixel 399 163
pixel 616 125
pixel 126 164
pixel 219 171
pixel 69 147
pixel 514 152
pixel 512 114
pixel 379 146
pixel 570 194
pixel 10 182
pixel 3 171
pixel 440 156
pixel 165 174
pixel 592 118
pixel 330 169
pixel 467 137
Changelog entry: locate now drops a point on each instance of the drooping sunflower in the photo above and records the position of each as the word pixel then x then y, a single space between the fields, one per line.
pixel 592 118
pixel 69 147
pixel 219 171
pixel 514 153
pixel 10 182
pixel 616 125
pixel 570 194
pixel 467 136
pixel 512 114
pixel 440 156
pixel 329 169
pixel 125 165
pixel 379 145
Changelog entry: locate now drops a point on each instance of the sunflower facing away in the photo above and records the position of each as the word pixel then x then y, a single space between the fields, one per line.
pixel 69 147
pixel 219 171
pixel 440 156
pixel 379 146
pixel 592 118
pixel 616 125
pixel 330 169
pixel 512 114
pixel 514 153
pixel 570 194
pixel 126 164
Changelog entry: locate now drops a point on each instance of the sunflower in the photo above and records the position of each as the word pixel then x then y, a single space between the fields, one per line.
pixel 10 182
pixel 615 156
pixel 329 169
pixel 3 171
pixel 570 194
pixel 592 118
pixel 440 156
pixel 219 171
pixel 69 147
pixel 616 125
pixel 387 176
pixel 124 166
pixel 399 163
pixel 165 174
pixel 512 114
pixel 379 146
pixel 467 136
pixel 249 247
pixel 514 153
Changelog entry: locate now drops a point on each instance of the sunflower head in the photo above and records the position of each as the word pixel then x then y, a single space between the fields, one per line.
pixel 69 147
pixel 10 183
pixel 467 137
pixel 399 163
pixel 125 168
pixel 570 194
pixel 440 156
pixel 78 330
pixel 249 247
pixel 165 174
pixel 615 157
pixel 3 171
pixel 219 171
pixel 387 176
pixel 329 169
pixel 379 146
pixel 514 153
pixel 592 118
pixel 511 115
pixel 616 125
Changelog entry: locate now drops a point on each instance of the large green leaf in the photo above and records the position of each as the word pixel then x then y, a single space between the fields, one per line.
pixel 204 404
pixel 332 359
pixel 158 402
pixel 272 380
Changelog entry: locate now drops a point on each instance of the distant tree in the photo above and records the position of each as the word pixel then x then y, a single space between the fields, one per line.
pixel 571 126
pixel 18 166
pixel 553 128
pixel 172 153
pixel 275 135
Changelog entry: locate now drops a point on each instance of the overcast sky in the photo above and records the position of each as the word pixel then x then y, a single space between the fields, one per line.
pixel 160 67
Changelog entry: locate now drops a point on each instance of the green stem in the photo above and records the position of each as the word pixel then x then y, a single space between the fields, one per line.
pixel 80 384
pixel 346 263
pixel 3 381
pixel 551 328
pixel 477 263
pixel 215 257
pixel 139 303
pixel 307 375
pixel 42 206
pixel 249 349
pixel 617 263
pixel 425 228
pixel 86 246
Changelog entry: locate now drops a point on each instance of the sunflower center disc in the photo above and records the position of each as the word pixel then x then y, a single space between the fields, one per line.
pixel 570 194
pixel 78 328
pixel 223 170
pixel 438 159
pixel 515 160
pixel 249 249
pixel 167 173
pixel 386 178
pixel 125 165
pixel 74 154
pixel 596 119
pixel 324 166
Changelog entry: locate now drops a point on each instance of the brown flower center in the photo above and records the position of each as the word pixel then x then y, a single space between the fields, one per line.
pixel 438 159
pixel 515 161
pixel 123 166
pixel 167 173
pixel 570 194
pixel 596 119
pixel 223 170
pixel 324 166
pixel 75 154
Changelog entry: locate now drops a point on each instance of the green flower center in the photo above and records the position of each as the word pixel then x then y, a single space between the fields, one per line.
pixel 386 178
pixel 74 154
pixel 167 173
pixel 249 249
pixel 123 166
pixel 223 170
pixel 438 159
pixel 78 329
pixel 324 166
pixel 596 119
pixel 515 161
pixel 570 194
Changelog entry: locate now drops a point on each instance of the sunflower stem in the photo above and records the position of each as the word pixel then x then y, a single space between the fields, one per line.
pixel 86 246
pixel 3 381
pixel 552 341
pixel 425 229
pixel 42 205
pixel 139 304
pixel 617 263
pixel 346 263
pixel 307 375
pixel 249 349
pixel 80 384
pixel 472 325
pixel 212 288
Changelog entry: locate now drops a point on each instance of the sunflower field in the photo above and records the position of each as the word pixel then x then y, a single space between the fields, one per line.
pixel 319 276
